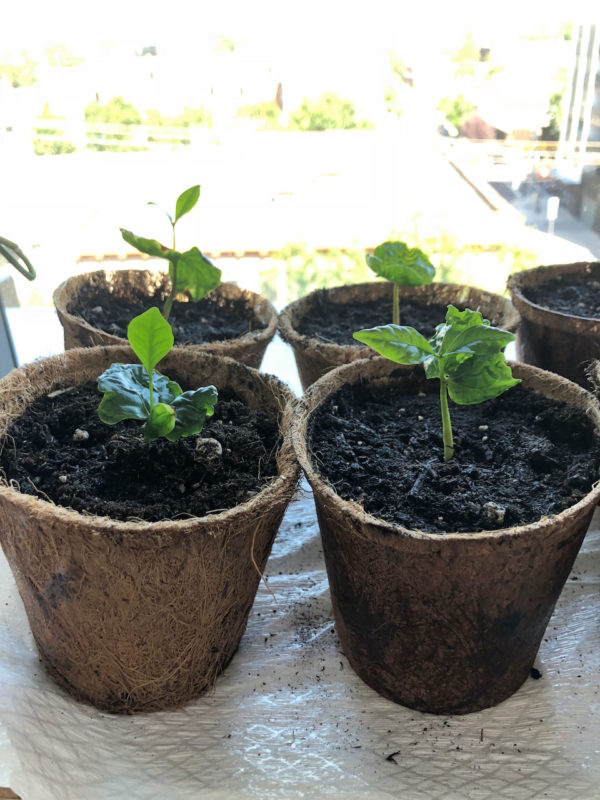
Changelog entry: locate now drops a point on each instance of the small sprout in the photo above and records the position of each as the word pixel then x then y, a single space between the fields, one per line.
pixel 138 391
pixel 404 266
pixel 80 436
pixel 465 353
pixel 190 271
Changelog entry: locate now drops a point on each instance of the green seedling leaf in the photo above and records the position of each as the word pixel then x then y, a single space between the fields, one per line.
pixel 397 342
pixel 191 409
pixel 186 201
pixel 150 337
pixel 464 334
pixel 196 274
pixel 160 422
pixel 407 266
pixel 465 354
pixel 127 394
pixel 480 379
pixel 149 246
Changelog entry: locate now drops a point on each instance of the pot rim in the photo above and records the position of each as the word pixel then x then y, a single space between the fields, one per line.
pixel 59 298
pixel 391 534
pixel 519 280
pixel 285 481
pixel 290 334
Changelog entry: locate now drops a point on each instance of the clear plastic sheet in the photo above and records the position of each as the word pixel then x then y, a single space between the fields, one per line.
pixel 289 718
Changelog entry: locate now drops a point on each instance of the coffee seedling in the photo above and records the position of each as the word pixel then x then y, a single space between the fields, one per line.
pixel 465 353
pixel 404 266
pixel 189 271
pixel 138 391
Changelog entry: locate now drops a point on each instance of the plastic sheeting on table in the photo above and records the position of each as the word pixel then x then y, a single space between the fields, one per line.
pixel 289 718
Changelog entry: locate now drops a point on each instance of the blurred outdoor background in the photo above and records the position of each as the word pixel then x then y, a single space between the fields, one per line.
pixel 316 131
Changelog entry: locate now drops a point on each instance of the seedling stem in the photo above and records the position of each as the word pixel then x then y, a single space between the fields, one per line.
pixel 447 437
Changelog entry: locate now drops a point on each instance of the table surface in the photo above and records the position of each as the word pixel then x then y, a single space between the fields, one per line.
pixel 289 719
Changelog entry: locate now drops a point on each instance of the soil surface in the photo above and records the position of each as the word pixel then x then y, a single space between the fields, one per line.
pixel 517 458
pixel 211 319
pixel 580 299
pixel 335 323
pixel 113 472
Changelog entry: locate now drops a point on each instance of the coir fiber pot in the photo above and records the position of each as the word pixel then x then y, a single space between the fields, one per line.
pixel 249 348
pixel 447 624
pixel 562 343
pixel 138 616
pixel 314 358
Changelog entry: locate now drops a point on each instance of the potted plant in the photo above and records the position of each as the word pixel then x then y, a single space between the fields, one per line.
pixel 138 552
pixel 319 326
pixel 445 566
pixel 559 307
pixel 94 308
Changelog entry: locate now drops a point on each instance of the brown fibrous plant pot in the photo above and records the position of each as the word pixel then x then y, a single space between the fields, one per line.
pixel 561 343
pixel 447 624
pixel 137 616
pixel 249 348
pixel 315 358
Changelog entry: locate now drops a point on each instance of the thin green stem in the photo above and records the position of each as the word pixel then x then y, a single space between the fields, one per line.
pixel 169 301
pixel 446 424
pixel 151 389
pixel 396 307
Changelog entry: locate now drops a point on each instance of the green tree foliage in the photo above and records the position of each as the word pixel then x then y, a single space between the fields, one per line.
pixel 51 146
pixel 22 73
pixel 267 113
pixel 551 131
pixel 329 112
pixel 224 45
pixel 401 82
pixel 456 110
pixel 59 56
pixel 474 62
pixel 191 117
pixel 116 112
pixel 466 57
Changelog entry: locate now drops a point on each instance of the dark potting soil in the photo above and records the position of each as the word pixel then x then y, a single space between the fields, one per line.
pixel 211 319
pixel 576 298
pixel 113 472
pixel 517 458
pixel 335 323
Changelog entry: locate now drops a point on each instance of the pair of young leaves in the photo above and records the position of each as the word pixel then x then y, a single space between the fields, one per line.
pixel 189 271
pixel 138 391
pixel 403 265
pixel 465 353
